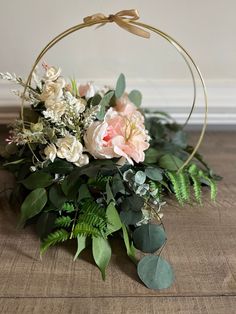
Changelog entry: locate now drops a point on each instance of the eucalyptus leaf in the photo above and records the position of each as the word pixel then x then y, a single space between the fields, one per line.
pixel 135 97
pixel 118 185
pixel 149 238
pixel 133 202
pixel 154 174
pixel 37 179
pixel 180 139
pixel 140 177
pixel 103 104
pixel 151 156
pixel 32 205
pixel 155 272
pixel 170 162
pixel 130 217
pixel 81 245
pixel 120 86
pixel 114 222
pixel 101 253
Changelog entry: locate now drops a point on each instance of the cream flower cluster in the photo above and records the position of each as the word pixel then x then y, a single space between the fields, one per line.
pixel 68 148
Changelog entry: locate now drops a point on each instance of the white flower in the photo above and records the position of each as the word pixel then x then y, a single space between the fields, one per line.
pixel 88 90
pixel 79 106
pixel 52 90
pixel 50 151
pixel 72 150
pixel 55 110
pixel 52 74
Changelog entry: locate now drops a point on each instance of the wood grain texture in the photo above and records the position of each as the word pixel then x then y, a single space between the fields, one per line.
pixel 201 247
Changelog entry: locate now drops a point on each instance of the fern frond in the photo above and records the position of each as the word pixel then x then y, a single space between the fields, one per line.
pixel 212 184
pixel 68 207
pixel 197 188
pixel 85 229
pixel 53 238
pixel 174 178
pixel 63 221
pixel 184 185
pixel 93 214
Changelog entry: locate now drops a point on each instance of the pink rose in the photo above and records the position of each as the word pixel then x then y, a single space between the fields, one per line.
pixel 121 134
pixel 88 90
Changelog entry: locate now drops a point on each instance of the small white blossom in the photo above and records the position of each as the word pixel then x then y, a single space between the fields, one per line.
pixel 72 150
pixel 50 151
pixel 52 74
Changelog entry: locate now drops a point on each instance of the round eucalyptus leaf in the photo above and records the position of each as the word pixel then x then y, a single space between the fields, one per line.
pixel 149 238
pixel 155 272
pixel 140 177
pixel 130 217
pixel 154 174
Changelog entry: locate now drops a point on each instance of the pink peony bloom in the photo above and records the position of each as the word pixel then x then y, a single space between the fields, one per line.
pixel 121 134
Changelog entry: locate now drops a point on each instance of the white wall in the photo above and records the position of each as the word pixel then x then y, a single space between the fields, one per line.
pixel 206 28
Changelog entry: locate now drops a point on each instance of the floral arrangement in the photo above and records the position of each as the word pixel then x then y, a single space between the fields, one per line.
pixel 90 163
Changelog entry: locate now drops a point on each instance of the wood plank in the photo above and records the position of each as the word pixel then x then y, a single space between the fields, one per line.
pixel 124 305
pixel 201 248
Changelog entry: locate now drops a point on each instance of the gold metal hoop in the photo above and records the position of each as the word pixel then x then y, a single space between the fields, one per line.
pixel 100 19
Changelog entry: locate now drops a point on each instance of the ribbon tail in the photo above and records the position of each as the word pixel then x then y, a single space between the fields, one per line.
pixel 126 24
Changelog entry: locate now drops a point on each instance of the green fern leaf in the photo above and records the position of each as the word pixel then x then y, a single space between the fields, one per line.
pixel 68 207
pixel 184 185
pixel 85 229
pixel 63 221
pixel 197 188
pixel 53 238
pixel 93 214
pixel 174 178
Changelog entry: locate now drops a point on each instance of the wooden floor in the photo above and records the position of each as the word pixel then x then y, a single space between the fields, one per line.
pixel 201 248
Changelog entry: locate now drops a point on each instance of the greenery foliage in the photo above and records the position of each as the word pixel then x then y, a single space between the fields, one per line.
pixel 92 203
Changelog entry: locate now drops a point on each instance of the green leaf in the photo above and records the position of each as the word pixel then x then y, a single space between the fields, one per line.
pixel 101 253
pixel 114 222
pixel 33 204
pixel 180 139
pixel 103 104
pixel 67 207
pixel 151 156
pixel 155 272
pixel 130 217
pixel 149 238
pixel 170 162
pixel 129 246
pixel 135 97
pixel 110 196
pixel 120 86
pixel 45 224
pixel 154 174
pixel 134 202
pixel 140 177
pixel 81 245
pixel 60 166
pixel 37 180
pixel 71 184
pixel 63 221
pixel 83 192
pixel 57 236
pixel 56 196
pixel 118 185
pixel 95 100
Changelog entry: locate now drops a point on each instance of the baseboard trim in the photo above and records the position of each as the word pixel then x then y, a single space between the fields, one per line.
pixel 171 96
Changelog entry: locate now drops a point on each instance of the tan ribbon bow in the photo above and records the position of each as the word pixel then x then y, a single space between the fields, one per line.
pixel 123 19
